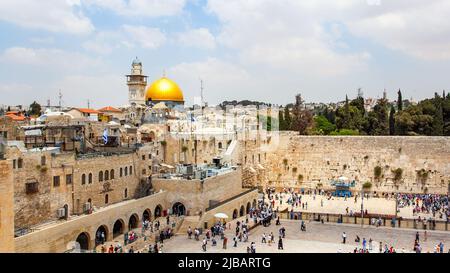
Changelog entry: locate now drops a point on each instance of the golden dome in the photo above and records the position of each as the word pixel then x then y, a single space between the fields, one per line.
pixel 164 90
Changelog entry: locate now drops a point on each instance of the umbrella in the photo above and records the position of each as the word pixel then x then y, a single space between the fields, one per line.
pixel 221 215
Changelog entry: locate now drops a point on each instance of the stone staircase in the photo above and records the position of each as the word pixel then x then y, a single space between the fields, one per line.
pixel 188 221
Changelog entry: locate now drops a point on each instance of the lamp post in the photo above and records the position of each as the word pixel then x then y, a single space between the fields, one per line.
pixel 362 206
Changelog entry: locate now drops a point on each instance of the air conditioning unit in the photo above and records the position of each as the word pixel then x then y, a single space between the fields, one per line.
pixel 61 213
pixel 86 207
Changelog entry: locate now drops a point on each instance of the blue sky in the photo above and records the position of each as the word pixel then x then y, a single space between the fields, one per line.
pixel 254 49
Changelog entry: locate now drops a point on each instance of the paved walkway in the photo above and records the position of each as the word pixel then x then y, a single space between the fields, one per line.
pixel 338 205
pixel 318 238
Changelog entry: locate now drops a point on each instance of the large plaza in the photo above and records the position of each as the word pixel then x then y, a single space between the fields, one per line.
pixel 318 238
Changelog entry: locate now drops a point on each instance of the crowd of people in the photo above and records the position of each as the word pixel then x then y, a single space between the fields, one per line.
pixel 435 204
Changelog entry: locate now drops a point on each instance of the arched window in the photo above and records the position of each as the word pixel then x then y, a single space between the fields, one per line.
pixel 100 176
pixel 106 175
pixel 131 170
pixel 120 172
pixel 90 178
pixel 111 173
pixel 83 179
pixel 126 171
pixel 106 199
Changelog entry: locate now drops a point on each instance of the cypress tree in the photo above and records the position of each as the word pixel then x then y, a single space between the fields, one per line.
pixel 287 119
pixel 392 121
pixel 399 101
pixel 438 118
pixel 281 121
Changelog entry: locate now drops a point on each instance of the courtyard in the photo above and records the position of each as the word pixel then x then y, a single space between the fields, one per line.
pixel 318 238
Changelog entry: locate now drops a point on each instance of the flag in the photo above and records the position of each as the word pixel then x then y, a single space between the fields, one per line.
pixel 105 136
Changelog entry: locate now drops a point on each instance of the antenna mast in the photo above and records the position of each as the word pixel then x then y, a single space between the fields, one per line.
pixel 60 97
pixel 201 92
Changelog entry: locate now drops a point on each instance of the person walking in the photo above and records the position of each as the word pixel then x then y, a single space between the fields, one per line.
pixel 225 240
pixel 344 237
pixel 204 244
pixel 280 243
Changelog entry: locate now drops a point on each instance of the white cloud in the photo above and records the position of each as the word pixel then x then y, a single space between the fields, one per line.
pixel 283 35
pixel 145 37
pixel 127 36
pixel 221 79
pixel 149 8
pixel 50 59
pixel 50 15
pixel 100 90
pixel 420 29
pixel 200 38
pixel 414 27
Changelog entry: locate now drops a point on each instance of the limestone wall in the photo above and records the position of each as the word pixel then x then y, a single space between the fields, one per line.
pixel 6 207
pixel 43 166
pixel 308 161
pixel 195 194
pixel 57 237
pixel 229 208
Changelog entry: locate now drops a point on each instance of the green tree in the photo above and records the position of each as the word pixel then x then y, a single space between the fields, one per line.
pixel 302 118
pixel 35 109
pixel 380 118
pixel 282 123
pixel 392 121
pixel 287 118
pixel 438 118
pixel 322 126
pixel 399 101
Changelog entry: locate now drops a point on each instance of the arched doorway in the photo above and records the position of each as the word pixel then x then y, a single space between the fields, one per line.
pixel 118 228
pixel 146 215
pixel 248 208
pixel 101 235
pixel 178 209
pixel 83 241
pixel 158 211
pixel 241 211
pixel 235 214
pixel 133 222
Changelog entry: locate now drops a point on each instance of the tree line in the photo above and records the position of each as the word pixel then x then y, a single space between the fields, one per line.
pixel 430 117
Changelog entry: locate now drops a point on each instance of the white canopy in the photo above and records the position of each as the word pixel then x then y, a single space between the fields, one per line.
pixel 221 215
pixel 343 178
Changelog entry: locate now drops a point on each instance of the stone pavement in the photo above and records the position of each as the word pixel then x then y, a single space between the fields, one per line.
pixel 317 238
pixel 338 205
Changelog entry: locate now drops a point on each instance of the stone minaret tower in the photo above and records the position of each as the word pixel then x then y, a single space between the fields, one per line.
pixel 136 82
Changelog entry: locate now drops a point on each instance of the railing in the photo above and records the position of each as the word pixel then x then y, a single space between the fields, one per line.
pixel 230 199
pixel 386 220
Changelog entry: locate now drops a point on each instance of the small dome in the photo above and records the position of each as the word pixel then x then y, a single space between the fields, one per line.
pixel 137 61
pixel 164 90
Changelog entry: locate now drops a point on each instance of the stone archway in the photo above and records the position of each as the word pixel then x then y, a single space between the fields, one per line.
pixel 242 211
pixel 178 209
pixel 248 208
pixel 83 240
pixel 235 214
pixel 133 222
pixel 101 230
pixel 118 228
pixel 254 203
pixel 147 215
pixel 158 211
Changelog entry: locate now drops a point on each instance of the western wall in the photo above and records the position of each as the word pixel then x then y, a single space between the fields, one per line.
pixel 405 163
